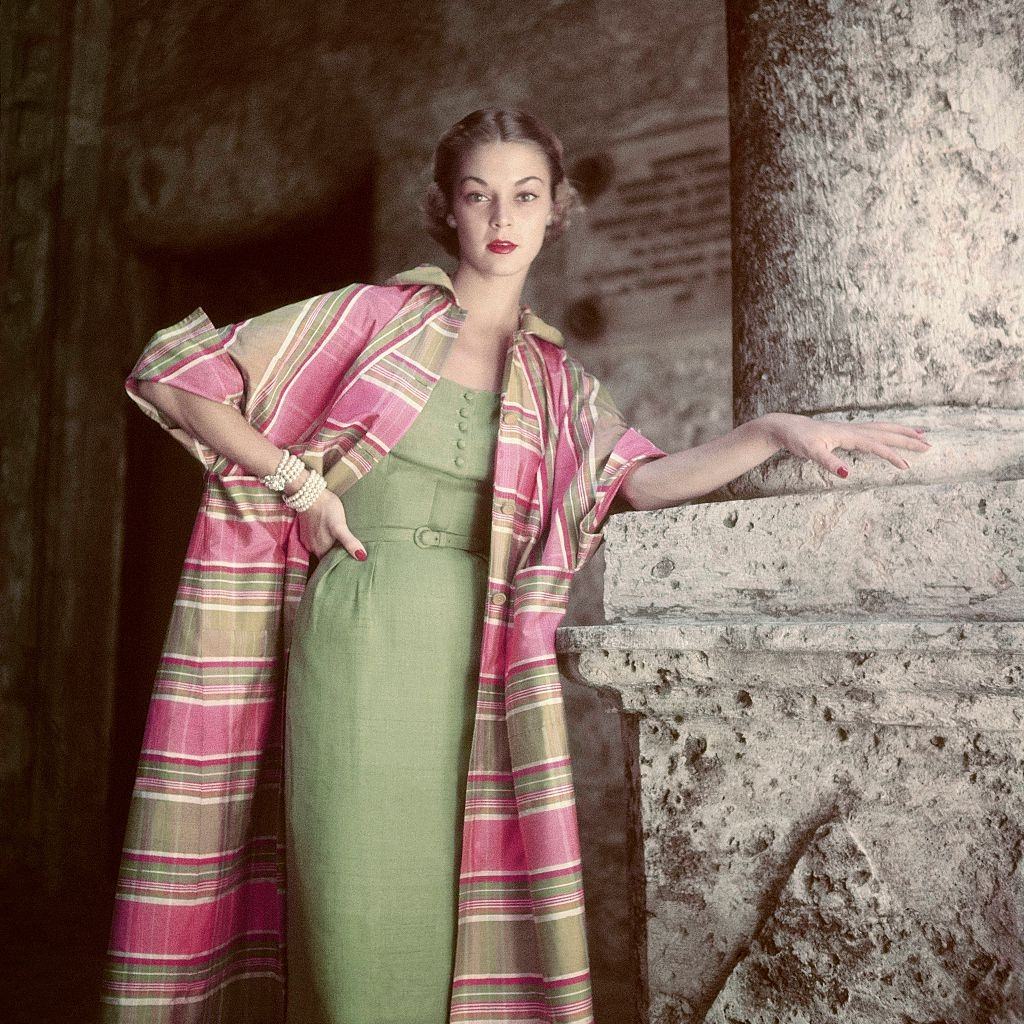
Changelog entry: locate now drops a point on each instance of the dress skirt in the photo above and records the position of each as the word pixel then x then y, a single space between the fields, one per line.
pixel 379 710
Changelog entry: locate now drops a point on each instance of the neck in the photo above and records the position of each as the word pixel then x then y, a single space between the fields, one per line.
pixel 492 302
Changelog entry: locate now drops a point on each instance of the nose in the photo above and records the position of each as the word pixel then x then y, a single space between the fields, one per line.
pixel 499 218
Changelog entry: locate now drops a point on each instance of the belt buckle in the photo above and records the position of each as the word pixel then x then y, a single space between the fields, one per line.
pixel 425 537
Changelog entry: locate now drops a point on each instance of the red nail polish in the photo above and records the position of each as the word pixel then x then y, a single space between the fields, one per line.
pixel 843 471
pixel 361 555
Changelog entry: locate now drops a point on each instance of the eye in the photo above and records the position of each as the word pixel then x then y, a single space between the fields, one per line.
pixel 531 195
pixel 472 196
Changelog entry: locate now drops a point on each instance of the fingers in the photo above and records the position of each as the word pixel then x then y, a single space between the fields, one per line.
pixel 902 441
pixel 879 437
pixel 894 428
pixel 864 445
pixel 885 452
pixel 888 434
pixel 834 464
pixel 350 542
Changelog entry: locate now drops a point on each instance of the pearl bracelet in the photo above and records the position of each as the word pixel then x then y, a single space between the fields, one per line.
pixel 311 489
pixel 288 469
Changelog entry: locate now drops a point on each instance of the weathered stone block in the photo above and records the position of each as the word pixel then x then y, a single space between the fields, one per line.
pixel 928 551
pixel 832 816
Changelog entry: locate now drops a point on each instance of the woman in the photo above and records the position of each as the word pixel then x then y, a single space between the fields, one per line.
pixel 451 466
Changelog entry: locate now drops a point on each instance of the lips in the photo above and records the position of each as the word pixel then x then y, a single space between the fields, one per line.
pixel 499 245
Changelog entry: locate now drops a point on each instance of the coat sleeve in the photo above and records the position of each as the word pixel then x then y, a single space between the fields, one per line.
pixel 195 356
pixel 261 355
pixel 607 449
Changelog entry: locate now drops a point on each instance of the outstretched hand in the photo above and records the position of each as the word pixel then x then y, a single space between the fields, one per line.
pixel 813 439
pixel 324 524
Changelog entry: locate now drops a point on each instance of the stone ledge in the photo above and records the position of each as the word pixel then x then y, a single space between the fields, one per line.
pixel 931 551
pixel 839 676
pixel 820 635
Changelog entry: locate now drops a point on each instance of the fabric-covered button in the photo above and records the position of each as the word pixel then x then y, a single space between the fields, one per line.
pixel 463 425
pixel 509 417
pixel 461 443
pixel 508 507
pixel 468 396
pixel 464 411
pixel 498 599
pixel 460 460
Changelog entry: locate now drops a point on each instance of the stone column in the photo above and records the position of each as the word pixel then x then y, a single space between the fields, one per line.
pixel 827 683
pixel 878 226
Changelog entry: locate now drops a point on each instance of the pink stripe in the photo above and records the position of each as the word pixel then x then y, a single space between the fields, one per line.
pixel 555 762
pixel 177 929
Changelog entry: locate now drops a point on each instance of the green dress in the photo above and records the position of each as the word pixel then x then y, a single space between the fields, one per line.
pixel 380 705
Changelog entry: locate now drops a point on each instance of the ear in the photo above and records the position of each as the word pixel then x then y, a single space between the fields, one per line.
pixel 451 221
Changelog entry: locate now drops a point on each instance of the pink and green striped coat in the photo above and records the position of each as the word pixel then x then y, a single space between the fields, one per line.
pixel 198 927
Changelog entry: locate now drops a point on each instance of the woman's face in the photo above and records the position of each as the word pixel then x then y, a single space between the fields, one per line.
pixel 502 193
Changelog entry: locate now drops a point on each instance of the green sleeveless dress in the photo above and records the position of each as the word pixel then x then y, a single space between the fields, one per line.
pixel 380 704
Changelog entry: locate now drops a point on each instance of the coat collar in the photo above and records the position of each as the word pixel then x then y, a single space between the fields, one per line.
pixel 428 273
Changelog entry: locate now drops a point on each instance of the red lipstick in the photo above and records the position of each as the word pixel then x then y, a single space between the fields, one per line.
pixel 500 245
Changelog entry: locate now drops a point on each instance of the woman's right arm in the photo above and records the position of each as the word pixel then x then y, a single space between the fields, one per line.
pixel 224 429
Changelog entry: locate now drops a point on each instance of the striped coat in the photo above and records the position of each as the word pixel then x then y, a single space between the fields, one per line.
pixel 197 933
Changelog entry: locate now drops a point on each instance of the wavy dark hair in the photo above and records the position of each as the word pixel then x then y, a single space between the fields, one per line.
pixel 494 124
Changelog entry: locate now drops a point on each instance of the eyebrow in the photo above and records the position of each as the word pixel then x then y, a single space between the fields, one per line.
pixel 473 177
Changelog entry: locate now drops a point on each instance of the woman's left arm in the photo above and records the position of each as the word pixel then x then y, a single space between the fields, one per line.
pixel 680 476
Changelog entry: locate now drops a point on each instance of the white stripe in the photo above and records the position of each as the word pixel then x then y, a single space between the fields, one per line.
pixel 192 363
pixel 549 807
pixel 495 917
pixel 179 1000
pixel 537 764
pixel 532 871
pixel 199 757
pixel 534 704
pixel 279 352
pixel 181 799
pixel 189 956
pixel 518 974
pixel 233 565
pixel 206 703
pixel 185 856
pixel 227 607
pixel 265 516
pixel 161 901
pixel 536 659
pixel 557 915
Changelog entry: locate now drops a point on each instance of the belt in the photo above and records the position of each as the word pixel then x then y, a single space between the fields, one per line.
pixel 424 537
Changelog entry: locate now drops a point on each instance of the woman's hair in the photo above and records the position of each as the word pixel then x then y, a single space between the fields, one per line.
pixel 494 124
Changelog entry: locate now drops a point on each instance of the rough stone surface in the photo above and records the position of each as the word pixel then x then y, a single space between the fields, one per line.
pixel 843 946
pixel 878 203
pixel 925 551
pixel 832 816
